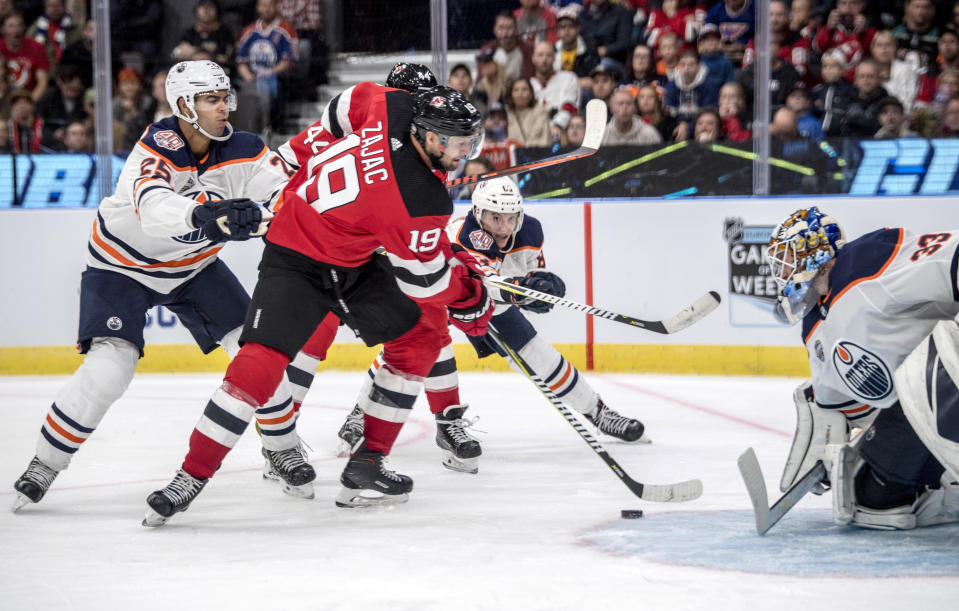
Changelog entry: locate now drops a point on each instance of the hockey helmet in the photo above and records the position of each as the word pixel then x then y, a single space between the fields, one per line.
pixel 187 79
pixel 410 77
pixel 499 195
pixel 447 113
pixel 798 249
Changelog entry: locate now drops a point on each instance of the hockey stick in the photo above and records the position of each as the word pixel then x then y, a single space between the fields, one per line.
pixel 692 313
pixel 595 126
pixel 682 491
pixel 767 517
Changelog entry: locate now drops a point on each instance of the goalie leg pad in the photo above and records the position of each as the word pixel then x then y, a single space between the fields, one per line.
pixel 815 429
pixel 928 386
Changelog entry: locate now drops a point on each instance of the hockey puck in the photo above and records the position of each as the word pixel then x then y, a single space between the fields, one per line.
pixel 631 514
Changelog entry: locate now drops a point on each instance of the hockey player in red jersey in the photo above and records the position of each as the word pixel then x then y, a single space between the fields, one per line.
pixel 372 187
pixel 879 321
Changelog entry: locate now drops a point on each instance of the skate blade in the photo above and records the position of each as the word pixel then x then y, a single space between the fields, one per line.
pixel 350 497
pixel 19 502
pixel 462 465
pixel 269 474
pixel 300 492
pixel 152 519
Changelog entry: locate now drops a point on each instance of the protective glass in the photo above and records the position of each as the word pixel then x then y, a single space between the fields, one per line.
pixel 463 147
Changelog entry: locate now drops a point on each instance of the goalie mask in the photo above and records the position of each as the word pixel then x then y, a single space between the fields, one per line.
pixel 448 114
pixel 798 250
pixel 499 196
pixel 187 80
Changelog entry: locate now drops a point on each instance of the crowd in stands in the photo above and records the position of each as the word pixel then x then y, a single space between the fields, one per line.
pixel 47 79
pixel 668 70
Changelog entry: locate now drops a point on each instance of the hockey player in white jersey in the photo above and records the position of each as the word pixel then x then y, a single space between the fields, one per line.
pixel 505 241
pixel 865 305
pixel 190 184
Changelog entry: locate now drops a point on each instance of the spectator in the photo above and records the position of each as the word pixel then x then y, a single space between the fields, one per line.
pixel 668 55
pixel 736 124
pixel 558 92
pixel 793 48
pixel 575 131
pixel 706 127
pixel 55 29
pixel 692 89
pixel 207 38
pixel 26 58
pixel 782 77
pixel 607 27
pixel 161 107
pixel 917 34
pixel 77 138
pixel 833 95
pixel 712 57
pixel 642 70
pixel 799 100
pixel 497 145
pixel 266 49
pixel 892 118
pixel 948 45
pixel 26 128
pixel 6 7
pixel 313 58
pixel 490 87
pixel 900 78
pixel 802 21
pixel 572 54
pixel 626 127
pixel 846 29
pixel 62 105
pixel 528 122
pixel 949 127
pixel 736 20
pixel 507 50
pixel 131 106
pixel 80 53
pixel 862 114
pixel 6 147
pixel 606 75
pixel 6 88
pixel 135 27
pixel 119 130
pixel 535 22
pixel 783 125
pixel 674 16
pixel 652 111
pixel 461 79
pixel 477 165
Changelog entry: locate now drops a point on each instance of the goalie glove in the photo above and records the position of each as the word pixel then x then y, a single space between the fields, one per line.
pixel 816 428
pixel 230 219
pixel 538 280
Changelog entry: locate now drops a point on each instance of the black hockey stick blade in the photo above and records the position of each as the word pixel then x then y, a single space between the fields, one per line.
pixel 660 493
pixel 595 125
pixel 767 517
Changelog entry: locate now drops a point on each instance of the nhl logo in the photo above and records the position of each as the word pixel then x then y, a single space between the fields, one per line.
pixel 733 229
pixel 437 101
pixel 114 323
pixel 481 240
pixel 863 372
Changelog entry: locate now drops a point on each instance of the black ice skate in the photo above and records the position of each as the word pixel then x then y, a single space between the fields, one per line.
pixel 351 433
pixel 608 421
pixel 368 481
pixel 33 484
pixel 175 497
pixel 290 468
pixel 460 451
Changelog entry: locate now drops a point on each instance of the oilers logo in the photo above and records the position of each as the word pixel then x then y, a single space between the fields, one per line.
pixel 195 237
pixel 862 371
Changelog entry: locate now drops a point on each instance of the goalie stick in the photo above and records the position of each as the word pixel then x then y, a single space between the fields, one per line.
pixel 595 126
pixel 679 492
pixel 691 314
pixel 767 517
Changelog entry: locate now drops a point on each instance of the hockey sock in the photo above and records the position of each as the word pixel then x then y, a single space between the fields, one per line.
pixel 223 421
pixel 277 420
pixel 442 382
pixel 559 374
pixel 389 403
pixel 301 372
pixel 80 405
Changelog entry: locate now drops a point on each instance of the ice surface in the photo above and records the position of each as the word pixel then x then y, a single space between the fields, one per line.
pixel 537 528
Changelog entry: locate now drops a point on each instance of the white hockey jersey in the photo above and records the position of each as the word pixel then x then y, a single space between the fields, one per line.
pixel 887 290
pixel 144 231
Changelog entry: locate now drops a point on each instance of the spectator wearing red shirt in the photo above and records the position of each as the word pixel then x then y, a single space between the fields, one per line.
pixel 678 17
pixel 948 45
pixel 535 22
pixel 26 58
pixel 55 29
pixel 793 48
pixel 847 29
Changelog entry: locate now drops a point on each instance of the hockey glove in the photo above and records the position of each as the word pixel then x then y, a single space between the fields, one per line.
pixel 228 219
pixel 542 281
pixel 472 314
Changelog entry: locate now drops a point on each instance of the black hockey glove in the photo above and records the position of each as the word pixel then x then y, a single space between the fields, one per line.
pixel 228 219
pixel 544 282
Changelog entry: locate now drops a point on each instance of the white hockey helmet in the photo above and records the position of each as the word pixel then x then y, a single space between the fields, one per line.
pixel 187 79
pixel 500 195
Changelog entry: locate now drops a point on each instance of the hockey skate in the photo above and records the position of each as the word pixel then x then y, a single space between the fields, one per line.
pixel 368 481
pixel 351 433
pixel 175 497
pixel 460 451
pixel 33 484
pixel 609 421
pixel 289 467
